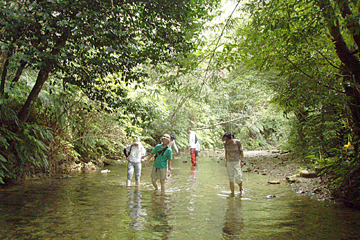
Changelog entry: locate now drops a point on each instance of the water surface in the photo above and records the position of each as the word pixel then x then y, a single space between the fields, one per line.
pixel 196 205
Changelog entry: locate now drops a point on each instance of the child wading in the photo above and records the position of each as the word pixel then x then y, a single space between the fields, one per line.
pixel 162 164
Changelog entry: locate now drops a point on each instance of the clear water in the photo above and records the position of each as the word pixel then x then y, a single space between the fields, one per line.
pixel 196 205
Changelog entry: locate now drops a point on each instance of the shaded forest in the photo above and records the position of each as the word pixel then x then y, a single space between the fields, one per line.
pixel 79 80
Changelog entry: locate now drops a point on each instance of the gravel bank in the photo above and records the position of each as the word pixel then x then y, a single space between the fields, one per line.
pixel 280 167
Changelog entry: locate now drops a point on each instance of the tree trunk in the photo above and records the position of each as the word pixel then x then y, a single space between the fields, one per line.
pixel 19 72
pixel 351 63
pixel 342 50
pixel 352 23
pixel 4 73
pixel 41 79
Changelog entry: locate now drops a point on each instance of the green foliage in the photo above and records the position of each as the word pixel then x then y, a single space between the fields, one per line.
pixel 73 154
pixel 306 44
pixel 87 130
pixel 237 102
pixel 82 130
pixel 82 43
pixel 299 170
pixel 3 168
pixel 342 173
pixel 23 146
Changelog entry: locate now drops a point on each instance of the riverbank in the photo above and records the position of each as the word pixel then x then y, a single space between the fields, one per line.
pixel 281 169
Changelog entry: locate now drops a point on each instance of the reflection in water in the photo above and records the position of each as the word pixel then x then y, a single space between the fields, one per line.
pixel 193 175
pixel 233 219
pixel 193 185
pixel 136 212
pixel 161 211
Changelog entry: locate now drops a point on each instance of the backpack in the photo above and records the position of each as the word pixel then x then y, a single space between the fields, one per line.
pixel 126 155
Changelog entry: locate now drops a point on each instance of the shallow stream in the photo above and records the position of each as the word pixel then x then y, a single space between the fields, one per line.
pixel 196 205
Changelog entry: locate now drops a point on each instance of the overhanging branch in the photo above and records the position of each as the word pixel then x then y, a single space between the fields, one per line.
pixel 235 119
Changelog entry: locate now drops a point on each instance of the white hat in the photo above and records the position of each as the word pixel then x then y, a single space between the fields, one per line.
pixel 166 136
pixel 136 140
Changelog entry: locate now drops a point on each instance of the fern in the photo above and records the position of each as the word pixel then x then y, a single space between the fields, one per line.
pixel 2 168
pixel 23 146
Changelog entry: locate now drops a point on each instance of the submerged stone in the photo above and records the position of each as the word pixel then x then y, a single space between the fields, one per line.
pixel 270 196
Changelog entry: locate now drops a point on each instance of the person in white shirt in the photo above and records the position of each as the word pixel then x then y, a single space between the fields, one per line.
pixel 135 154
pixel 192 146
pixel 197 149
pixel 172 143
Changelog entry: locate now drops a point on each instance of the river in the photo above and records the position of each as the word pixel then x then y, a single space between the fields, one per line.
pixel 196 205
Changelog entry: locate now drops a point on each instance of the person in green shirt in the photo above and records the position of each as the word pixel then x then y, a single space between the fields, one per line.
pixel 162 164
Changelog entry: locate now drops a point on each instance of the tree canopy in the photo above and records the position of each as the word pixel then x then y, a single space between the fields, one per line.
pixel 80 42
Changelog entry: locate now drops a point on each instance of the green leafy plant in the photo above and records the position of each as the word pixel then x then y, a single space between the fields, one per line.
pixel 3 168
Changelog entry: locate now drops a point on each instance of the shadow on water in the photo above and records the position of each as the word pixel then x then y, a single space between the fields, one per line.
pixel 196 205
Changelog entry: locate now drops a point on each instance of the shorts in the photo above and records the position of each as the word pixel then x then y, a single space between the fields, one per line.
pixel 193 156
pixel 159 173
pixel 134 167
pixel 234 171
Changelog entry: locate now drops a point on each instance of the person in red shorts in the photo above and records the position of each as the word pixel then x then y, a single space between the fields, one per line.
pixel 192 145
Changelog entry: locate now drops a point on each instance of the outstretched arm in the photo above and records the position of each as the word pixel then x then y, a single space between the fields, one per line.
pixel 176 148
pixel 148 159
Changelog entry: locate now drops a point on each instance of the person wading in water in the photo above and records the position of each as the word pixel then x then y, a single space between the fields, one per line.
pixel 234 161
pixel 162 164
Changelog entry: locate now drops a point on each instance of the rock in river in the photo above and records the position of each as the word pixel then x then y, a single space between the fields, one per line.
pixel 270 196
pixel 308 174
